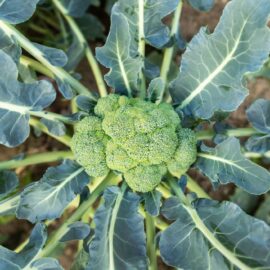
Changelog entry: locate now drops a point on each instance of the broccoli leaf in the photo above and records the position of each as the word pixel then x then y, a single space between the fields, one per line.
pixel 17 11
pixel 202 5
pixel 17 100
pixel 76 8
pixel 57 128
pixel 156 33
pixel 76 231
pixel 258 114
pixel 213 65
pixel 124 70
pixel 226 164
pixel 47 198
pixel 263 211
pixel 155 89
pixel 152 202
pixel 26 259
pixel 213 235
pixel 55 56
pixel 8 206
pixel 10 46
pixel 8 182
pixel 119 234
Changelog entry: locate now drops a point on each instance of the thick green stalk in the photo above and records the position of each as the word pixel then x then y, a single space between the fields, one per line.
pixel 35 159
pixel 35 52
pixel 257 155
pixel 238 132
pixel 51 116
pixel 141 46
pixel 54 239
pixel 65 139
pixel 198 223
pixel 168 52
pixel 151 245
pixel 28 62
pixel 88 53
pixel 194 187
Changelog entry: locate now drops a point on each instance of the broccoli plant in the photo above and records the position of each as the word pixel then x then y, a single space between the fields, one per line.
pixel 123 184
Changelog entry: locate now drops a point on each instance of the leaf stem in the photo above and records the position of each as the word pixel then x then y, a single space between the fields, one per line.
pixel 204 230
pixel 168 52
pixel 54 239
pixel 65 139
pixel 151 245
pixel 28 62
pixel 141 45
pixel 194 187
pixel 52 116
pixel 34 51
pixel 238 132
pixel 88 53
pixel 35 159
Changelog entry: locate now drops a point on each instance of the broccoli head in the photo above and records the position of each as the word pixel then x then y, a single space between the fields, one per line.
pixel 139 139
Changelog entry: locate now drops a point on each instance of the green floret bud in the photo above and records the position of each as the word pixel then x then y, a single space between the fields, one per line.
pixel 163 145
pixel 185 154
pixel 145 178
pixel 106 104
pixel 139 139
pixel 118 159
pixel 89 146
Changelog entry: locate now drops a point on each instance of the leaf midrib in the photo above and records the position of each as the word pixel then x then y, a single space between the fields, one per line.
pixel 214 241
pixel 226 161
pixel 212 75
pixel 111 230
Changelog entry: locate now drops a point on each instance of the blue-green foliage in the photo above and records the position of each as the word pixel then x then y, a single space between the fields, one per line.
pixel 48 198
pixel 17 11
pixel 26 259
pixel 213 65
pixel 186 246
pixel 76 231
pixel 226 164
pixel 17 100
pixel 203 5
pixel 258 115
pixel 116 55
pixel 119 233
pixel 152 202
pixel 8 183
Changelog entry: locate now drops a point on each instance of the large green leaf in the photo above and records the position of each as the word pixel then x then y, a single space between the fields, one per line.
pixel 226 164
pixel 18 101
pixel 115 54
pixel 47 198
pixel 213 66
pixel 27 258
pixel 149 19
pixel 258 114
pixel 213 235
pixel 119 241
pixel 17 11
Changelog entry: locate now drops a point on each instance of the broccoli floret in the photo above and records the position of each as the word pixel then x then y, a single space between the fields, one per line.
pixel 185 153
pixel 89 146
pixel 145 178
pixel 141 140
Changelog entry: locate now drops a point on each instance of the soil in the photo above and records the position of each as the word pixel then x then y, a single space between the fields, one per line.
pixel 16 231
